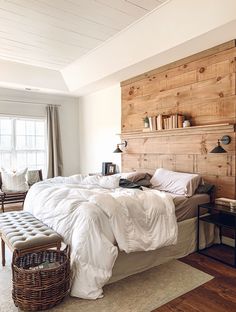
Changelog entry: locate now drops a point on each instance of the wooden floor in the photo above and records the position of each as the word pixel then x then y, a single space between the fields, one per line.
pixel 217 295
pixel 12 207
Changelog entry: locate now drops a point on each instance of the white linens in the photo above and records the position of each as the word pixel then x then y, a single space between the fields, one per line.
pixel 93 220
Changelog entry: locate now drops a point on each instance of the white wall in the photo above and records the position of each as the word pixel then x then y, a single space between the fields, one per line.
pixel 22 103
pixel 99 124
pixel 15 75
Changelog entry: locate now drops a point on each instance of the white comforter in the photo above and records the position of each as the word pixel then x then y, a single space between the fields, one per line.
pixel 94 216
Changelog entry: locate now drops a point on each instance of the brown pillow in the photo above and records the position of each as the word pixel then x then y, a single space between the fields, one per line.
pixel 137 176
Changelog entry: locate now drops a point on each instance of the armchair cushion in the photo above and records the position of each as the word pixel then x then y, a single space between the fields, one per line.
pixel 34 176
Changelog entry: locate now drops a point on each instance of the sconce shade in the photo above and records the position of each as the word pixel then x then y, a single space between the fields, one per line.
pixel 118 150
pixel 226 139
pixel 218 149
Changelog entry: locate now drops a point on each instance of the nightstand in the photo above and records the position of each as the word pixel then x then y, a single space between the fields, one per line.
pixel 222 217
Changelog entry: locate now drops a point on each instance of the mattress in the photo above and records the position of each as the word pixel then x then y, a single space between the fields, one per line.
pixel 186 207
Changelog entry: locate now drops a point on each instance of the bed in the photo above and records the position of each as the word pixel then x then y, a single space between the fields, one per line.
pixel 115 232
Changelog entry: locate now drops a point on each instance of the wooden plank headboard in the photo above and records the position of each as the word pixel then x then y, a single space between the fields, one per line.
pixel 202 87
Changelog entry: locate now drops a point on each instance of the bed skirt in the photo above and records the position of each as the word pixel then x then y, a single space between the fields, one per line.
pixel 132 263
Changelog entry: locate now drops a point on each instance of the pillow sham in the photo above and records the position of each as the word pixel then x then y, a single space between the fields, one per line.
pixel 178 183
pixel 14 181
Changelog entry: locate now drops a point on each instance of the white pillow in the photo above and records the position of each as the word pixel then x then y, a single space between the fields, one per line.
pixel 110 182
pixel 175 182
pixel 14 181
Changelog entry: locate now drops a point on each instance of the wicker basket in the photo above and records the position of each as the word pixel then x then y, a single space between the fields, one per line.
pixel 36 288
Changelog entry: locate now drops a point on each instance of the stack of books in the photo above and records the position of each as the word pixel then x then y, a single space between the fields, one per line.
pixel 173 121
pixel 161 122
pixel 224 201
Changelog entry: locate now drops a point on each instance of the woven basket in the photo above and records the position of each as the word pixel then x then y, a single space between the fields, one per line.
pixel 36 289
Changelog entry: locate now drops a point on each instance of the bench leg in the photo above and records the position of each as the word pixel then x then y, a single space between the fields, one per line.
pixel 3 252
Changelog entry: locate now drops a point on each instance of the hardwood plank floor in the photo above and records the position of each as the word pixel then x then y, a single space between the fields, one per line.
pixel 217 295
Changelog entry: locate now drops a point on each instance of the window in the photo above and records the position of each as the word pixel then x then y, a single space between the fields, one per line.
pixel 22 143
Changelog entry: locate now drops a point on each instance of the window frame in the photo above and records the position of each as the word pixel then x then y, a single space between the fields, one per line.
pixel 13 150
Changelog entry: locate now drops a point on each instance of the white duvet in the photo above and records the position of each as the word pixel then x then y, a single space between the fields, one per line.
pixel 95 217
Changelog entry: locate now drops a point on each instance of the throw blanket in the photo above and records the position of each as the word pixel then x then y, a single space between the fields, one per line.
pixel 94 218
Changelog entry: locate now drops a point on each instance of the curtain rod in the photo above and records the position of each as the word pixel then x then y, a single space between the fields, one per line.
pixel 32 103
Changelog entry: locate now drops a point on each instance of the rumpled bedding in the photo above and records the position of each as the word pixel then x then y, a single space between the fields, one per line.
pixel 96 217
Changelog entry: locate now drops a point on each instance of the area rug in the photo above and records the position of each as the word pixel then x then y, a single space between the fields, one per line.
pixel 142 292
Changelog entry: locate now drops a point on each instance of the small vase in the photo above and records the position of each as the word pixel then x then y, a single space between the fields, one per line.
pixel 186 124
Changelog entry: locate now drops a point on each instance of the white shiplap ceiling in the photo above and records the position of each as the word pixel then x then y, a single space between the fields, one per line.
pixel 54 33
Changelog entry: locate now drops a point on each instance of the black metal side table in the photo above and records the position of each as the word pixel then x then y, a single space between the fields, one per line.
pixel 222 217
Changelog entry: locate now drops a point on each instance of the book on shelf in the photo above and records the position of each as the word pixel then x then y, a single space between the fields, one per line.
pixel 180 120
pixel 175 121
pixel 159 122
pixel 152 123
pixel 165 123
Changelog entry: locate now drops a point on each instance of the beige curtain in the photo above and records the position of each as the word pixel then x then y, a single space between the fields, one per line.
pixel 55 164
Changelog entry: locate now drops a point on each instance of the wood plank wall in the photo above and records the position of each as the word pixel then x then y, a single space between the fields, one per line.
pixel 201 87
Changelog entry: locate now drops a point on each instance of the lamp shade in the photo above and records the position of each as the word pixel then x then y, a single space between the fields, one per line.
pixel 118 150
pixel 218 149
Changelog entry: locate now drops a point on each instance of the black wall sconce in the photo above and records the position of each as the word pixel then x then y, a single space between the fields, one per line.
pixel 219 149
pixel 118 150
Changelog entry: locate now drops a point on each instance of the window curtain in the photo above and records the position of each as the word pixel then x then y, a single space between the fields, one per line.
pixel 55 164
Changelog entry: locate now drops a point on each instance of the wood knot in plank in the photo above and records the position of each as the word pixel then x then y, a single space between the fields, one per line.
pixel 221 94
pixel 203 146
pixel 201 70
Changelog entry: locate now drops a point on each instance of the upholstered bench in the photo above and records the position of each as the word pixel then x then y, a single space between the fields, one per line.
pixel 21 231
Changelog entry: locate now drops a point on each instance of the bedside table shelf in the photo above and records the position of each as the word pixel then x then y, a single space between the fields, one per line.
pixel 222 217
pixel 219 220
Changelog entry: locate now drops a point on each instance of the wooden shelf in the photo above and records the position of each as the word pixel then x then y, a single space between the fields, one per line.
pixel 221 128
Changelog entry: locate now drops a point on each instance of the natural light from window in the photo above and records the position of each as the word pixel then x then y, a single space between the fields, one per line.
pixel 22 143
